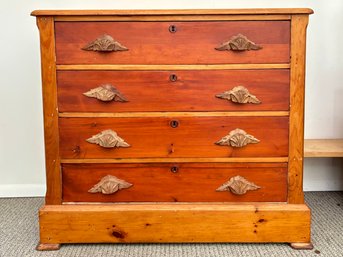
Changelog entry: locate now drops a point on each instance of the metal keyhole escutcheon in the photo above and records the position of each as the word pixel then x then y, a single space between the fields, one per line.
pixel 174 123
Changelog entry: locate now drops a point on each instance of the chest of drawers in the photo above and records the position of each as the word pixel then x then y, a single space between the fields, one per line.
pixel 173 126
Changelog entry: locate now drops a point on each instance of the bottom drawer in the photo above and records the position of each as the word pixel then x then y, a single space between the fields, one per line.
pixel 166 182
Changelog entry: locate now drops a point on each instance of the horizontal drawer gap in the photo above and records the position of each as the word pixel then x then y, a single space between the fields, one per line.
pixel 173 67
pixel 169 114
pixel 248 206
pixel 174 18
pixel 234 204
pixel 180 160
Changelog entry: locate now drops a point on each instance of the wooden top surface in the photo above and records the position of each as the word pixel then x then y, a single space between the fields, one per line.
pixel 261 11
pixel 323 148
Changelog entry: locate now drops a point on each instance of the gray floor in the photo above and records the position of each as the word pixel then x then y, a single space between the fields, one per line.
pixel 19 235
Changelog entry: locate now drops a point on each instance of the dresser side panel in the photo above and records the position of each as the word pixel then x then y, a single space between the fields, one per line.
pixel 49 89
pixel 297 96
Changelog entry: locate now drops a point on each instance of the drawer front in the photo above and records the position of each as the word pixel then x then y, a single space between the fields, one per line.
pixel 159 43
pixel 187 182
pixel 173 137
pixel 209 90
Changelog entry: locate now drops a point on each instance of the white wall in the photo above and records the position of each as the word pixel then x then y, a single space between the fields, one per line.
pixel 21 124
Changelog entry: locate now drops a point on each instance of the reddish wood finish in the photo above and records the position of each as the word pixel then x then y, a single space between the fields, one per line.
pixel 49 90
pixel 152 43
pixel 154 137
pixel 192 183
pixel 153 90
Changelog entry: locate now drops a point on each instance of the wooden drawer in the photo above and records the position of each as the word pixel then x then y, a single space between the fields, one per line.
pixel 153 43
pixel 187 182
pixel 156 91
pixel 173 137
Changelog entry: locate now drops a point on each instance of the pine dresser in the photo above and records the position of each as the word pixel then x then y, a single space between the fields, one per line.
pixel 173 126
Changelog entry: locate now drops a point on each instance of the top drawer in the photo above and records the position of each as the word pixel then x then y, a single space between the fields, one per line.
pixel 173 42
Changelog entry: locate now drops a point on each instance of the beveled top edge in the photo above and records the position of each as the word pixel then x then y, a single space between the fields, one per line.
pixel 257 11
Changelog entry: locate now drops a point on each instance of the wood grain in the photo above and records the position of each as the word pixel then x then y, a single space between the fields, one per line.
pixel 323 148
pixel 154 137
pixel 152 43
pixel 155 182
pixel 168 223
pixel 169 67
pixel 49 88
pixel 192 91
pixel 192 12
pixel 297 98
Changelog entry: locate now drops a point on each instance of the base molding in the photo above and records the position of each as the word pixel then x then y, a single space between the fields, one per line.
pixel 22 190
pixel 174 223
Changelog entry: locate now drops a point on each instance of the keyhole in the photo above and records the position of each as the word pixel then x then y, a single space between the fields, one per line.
pixel 174 169
pixel 172 28
pixel 173 78
pixel 174 123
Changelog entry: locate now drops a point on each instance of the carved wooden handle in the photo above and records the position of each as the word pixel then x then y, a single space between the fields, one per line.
pixel 108 139
pixel 104 43
pixel 238 186
pixel 109 185
pixel 240 95
pixel 238 43
pixel 106 93
pixel 237 138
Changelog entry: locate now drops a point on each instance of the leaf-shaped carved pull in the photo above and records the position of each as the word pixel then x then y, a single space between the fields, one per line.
pixel 106 93
pixel 240 95
pixel 238 43
pixel 238 186
pixel 108 139
pixel 109 185
pixel 104 43
pixel 237 138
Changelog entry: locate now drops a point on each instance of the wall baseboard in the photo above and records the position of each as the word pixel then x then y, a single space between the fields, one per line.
pixel 323 174
pixel 328 185
pixel 22 190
